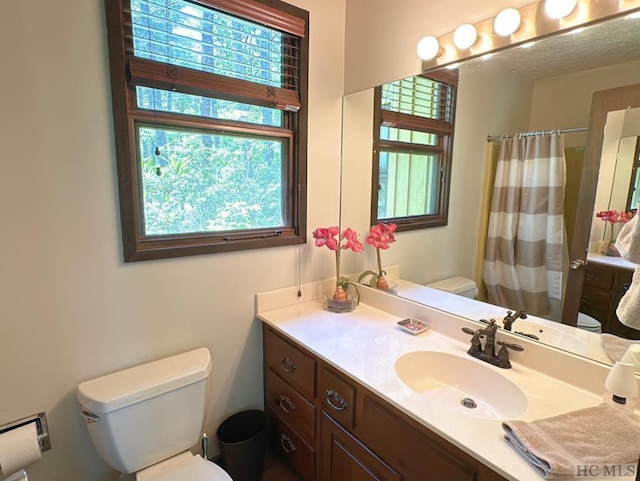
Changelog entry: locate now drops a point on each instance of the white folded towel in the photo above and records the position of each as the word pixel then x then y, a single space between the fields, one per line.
pixel 628 244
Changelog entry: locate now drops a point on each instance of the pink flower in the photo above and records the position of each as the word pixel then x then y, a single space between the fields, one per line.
pixel 381 235
pixel 326 236
pixel 611 216
pixel 352 243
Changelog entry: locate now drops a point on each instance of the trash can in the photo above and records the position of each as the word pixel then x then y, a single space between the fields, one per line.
pixel 242 439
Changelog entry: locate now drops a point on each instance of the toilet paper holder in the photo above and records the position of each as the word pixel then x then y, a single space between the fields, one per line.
pixel 42 428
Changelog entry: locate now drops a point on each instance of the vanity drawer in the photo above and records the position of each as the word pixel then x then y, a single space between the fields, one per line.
pixel 291 407
pixel 338 396
pixel 295 367
pixel 408 450
pixel 598 276
pixel 297 453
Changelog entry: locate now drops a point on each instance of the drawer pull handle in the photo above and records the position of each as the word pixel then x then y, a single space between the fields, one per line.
pixel 287 364
pixel 340 403
pixel 626 286
pixel 589 277
pixel 287 444
pixel 285 404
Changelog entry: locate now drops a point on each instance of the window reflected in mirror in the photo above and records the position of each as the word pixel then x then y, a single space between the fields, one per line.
pixel 413 135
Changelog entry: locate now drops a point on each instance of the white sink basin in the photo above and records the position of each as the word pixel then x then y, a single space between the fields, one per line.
pixel 449 379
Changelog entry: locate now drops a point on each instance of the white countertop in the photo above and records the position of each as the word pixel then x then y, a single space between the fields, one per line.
pixel 611 261
pixel 366 343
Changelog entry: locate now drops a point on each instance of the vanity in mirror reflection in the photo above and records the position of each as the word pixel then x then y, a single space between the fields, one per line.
pixel 550 88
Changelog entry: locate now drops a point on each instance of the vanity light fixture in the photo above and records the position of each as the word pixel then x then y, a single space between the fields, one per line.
pixel 507 22
pixel 465 36
pixel 428 48
pixel 559 8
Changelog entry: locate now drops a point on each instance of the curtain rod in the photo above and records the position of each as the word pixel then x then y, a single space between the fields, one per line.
pixel 491 138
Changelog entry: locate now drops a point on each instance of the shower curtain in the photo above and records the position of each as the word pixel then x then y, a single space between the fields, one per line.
pixel 523 267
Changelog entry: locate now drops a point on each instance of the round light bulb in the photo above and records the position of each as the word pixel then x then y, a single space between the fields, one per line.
pixel 559 8
pixel 465 36
pixel 428 48
pixel 507 22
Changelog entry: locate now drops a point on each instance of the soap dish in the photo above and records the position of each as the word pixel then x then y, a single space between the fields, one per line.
pixel 414 326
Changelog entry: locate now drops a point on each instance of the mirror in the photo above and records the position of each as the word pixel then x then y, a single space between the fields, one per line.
pixel 546 87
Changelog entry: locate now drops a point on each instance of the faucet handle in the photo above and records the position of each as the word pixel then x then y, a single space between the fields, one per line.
pixel 512 346
pixel 503 354
pixel 468 330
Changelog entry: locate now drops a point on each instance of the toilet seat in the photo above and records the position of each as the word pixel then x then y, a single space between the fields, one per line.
pixel 183 467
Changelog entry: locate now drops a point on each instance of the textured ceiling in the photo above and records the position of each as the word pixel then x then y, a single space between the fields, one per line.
pixel 601 45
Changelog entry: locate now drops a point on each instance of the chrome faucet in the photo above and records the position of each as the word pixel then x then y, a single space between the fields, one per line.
pixel 488 352
pixel 510 318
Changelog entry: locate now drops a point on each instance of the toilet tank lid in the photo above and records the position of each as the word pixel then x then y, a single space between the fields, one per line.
pixel 454 284
pixel 135 384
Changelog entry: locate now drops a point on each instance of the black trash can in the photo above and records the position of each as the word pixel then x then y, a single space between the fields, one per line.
pixel 242 439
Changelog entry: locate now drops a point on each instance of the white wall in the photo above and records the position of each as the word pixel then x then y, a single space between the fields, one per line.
pixel 70 309
pixel 382 35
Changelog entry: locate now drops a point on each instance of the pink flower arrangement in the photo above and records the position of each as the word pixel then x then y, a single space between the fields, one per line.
pixel 380 236
pixel 613 217
pixel 327 236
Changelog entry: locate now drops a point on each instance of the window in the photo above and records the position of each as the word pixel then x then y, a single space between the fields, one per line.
pixel 413 136
pixel 209 105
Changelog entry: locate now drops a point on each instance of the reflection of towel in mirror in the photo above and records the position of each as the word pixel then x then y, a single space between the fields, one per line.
pixel 615 346
pixel 558 447
pixel 628 244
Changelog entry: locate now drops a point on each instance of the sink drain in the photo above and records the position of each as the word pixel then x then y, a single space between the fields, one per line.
pixel 469 403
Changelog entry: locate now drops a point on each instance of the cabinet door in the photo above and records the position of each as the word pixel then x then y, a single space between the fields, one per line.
pixel 420 457
pixel 344 458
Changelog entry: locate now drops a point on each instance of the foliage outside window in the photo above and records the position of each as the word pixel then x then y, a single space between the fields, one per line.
pixel 413 136
pixel 209 103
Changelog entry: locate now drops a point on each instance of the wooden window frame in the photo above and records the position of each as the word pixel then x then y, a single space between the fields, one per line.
pixel 444 147
pixel 128 72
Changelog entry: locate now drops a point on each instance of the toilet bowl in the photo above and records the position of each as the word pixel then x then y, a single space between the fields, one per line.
pixel 143 420
pixel 457 285
pixel 588 323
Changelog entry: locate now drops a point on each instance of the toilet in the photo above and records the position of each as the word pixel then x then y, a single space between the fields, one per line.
pixel 457 285
pixel 143 420
pixel 588 323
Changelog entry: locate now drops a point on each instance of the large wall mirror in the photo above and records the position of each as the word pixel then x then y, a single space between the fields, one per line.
pixel 548 86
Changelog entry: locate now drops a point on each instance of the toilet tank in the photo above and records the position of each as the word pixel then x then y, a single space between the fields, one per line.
pixel 457 285
pixel 145 414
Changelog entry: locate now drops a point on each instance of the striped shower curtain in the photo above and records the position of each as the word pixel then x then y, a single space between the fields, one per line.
pixel 523 267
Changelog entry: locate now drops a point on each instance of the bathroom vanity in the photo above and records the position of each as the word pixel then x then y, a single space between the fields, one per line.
pixel 328 424
pixel 606 279
pixel 350 398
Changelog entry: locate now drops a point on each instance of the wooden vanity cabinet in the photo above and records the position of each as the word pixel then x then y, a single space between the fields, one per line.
pixel 335 429
pixel 602 289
